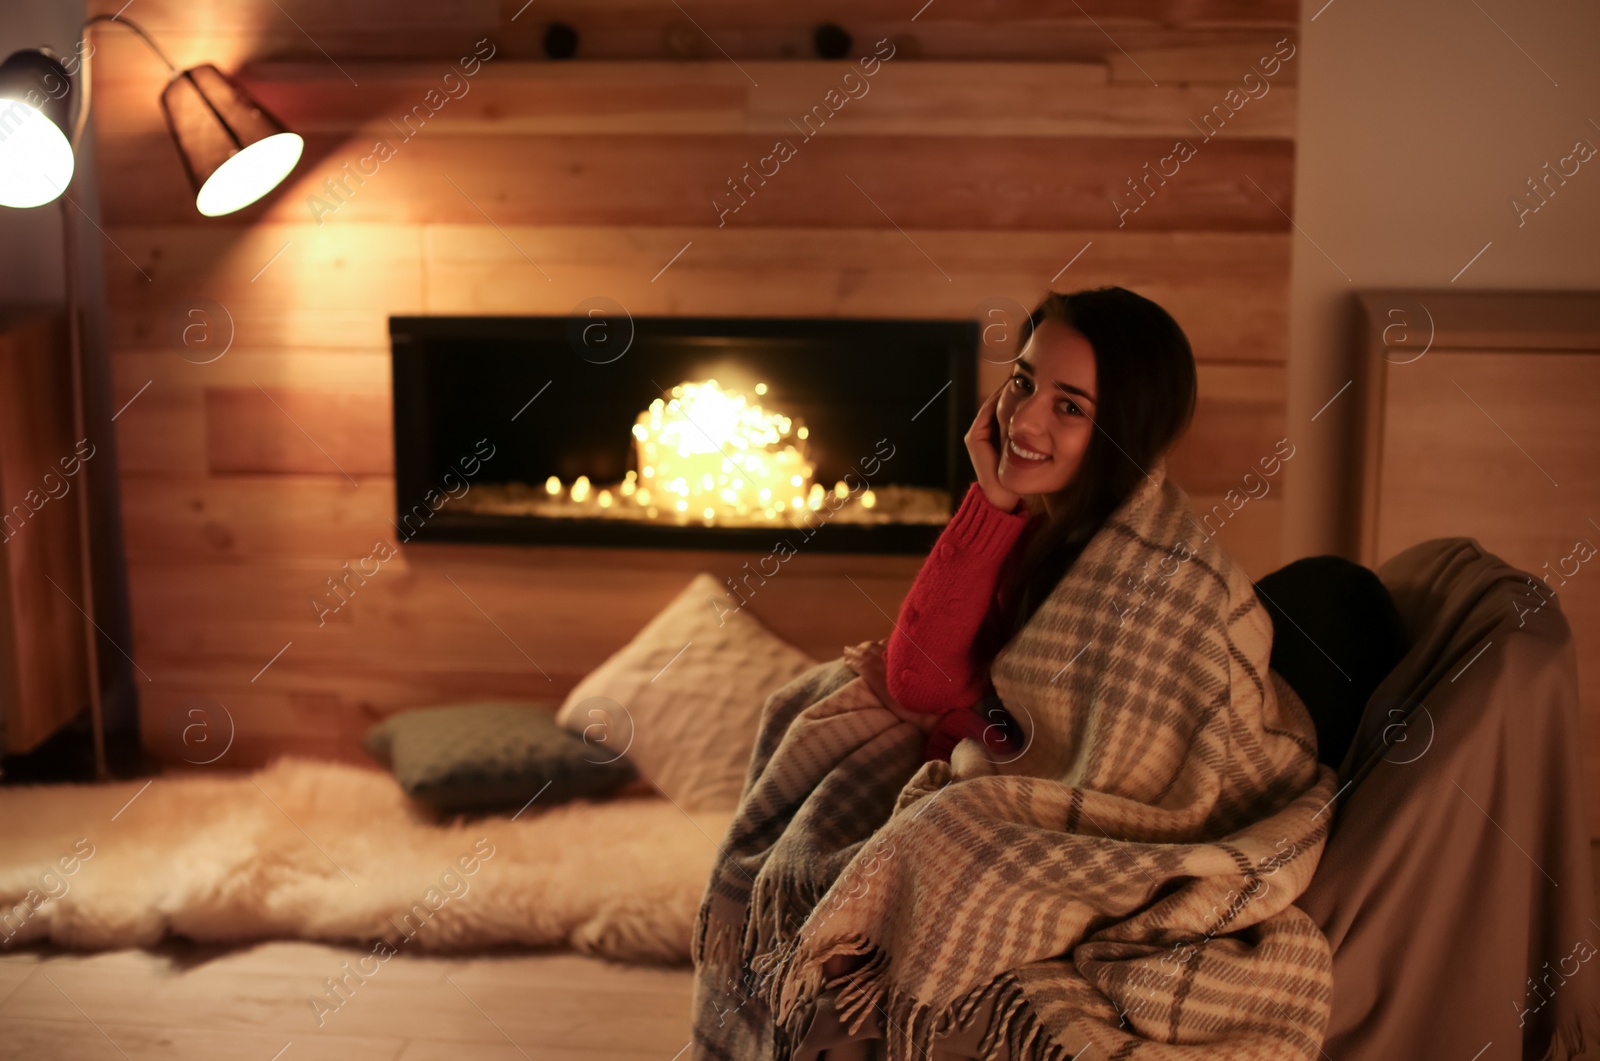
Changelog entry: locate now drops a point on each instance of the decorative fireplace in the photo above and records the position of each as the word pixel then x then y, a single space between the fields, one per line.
pixel 721 432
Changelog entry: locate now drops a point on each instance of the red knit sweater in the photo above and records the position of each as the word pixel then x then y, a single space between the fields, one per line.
pixel 951 624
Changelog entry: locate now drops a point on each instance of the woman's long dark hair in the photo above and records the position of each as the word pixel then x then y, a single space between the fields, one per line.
pixel 1146 386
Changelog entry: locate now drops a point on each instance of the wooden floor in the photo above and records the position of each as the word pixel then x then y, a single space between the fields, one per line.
pixel 253 1004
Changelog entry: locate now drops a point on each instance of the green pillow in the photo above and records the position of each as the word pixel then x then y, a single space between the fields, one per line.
pixel 491 756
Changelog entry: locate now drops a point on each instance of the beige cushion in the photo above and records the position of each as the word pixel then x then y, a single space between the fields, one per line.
pixel 687 716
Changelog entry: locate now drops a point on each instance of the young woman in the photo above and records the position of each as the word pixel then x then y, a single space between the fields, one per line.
pixel 1103 387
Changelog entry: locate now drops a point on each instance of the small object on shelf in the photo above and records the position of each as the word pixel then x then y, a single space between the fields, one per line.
pixel 560 41
pixel 831 41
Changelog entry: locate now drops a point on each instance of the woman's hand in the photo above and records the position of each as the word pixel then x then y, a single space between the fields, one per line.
pixel 983 447
pixel 968 760
pixel 866 659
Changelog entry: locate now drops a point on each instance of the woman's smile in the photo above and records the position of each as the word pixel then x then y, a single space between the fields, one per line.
pixel 1023 457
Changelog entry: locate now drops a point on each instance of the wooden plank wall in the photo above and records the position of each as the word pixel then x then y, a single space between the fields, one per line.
pixel 983 163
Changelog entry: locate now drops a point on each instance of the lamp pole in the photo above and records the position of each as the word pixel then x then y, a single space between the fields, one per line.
pixel 85 554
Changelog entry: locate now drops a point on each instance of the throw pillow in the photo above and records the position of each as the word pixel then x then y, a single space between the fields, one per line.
pixel 683 699
pixel 492 756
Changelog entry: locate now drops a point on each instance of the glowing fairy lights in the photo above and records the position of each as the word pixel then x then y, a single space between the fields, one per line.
pixel 718 453
pixel 708 454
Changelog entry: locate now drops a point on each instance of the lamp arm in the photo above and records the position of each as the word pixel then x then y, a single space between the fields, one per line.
pixel 83 96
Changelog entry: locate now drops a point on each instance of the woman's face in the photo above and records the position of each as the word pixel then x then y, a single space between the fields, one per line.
pixel 1046 410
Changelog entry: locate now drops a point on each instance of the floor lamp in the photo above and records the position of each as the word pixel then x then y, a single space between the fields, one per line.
pixel 233 151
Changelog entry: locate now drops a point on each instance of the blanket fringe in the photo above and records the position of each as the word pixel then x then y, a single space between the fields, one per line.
pixel 717 943
pixel 777 910
pixel 908 1033
pixel 858 987
pixel 959 1016
pixel 1017 1025
pixel 907 1021
pixel 910 1026
pixel 790 988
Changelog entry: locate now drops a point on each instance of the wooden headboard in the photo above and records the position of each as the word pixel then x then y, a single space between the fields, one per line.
pixel 1481 422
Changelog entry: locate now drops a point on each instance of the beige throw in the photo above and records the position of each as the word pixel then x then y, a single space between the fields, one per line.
pixel 1124 886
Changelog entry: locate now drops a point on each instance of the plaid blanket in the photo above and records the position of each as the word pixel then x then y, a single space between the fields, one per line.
pixel 1124 883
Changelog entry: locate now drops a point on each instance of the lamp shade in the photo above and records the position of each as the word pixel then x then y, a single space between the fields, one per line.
pixel 234 150
pixel 35 154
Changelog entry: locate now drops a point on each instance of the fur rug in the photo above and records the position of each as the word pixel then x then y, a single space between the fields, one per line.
pixel 328 851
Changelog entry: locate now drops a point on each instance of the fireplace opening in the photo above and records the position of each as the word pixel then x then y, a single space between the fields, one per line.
pixel 844 435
